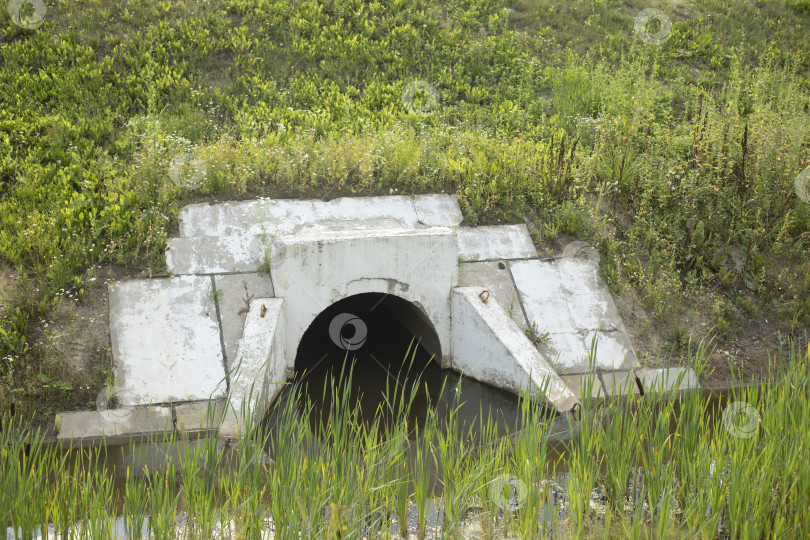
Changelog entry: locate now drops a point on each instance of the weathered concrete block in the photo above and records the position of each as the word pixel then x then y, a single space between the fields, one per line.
pixel 283 217
pixel 438 210
pixel 214 254
pixel 663 380
pixel 234 236
pixel 258 373
pixel 489 347
pixel 165 340
pixel 134 423
pixel 567 300
pixel 495 242
pixel 220 219
pixel 495 277
pixel 232 292
pixel 321 268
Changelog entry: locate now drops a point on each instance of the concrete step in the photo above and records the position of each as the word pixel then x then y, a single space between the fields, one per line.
pixel 490 347
pixel 201 255
pixel 665 380
pixel 495 242
pixel 279 217
pixel 236 236
pixel 240 252
pixel 114 426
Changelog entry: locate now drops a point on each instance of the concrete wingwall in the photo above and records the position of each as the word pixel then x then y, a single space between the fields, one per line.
pixel 490 347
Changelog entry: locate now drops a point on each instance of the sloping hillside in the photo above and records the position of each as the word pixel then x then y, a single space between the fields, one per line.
pixel 676 147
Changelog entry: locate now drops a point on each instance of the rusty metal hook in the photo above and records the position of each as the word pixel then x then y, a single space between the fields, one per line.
pixel 576 412
pixel 482 297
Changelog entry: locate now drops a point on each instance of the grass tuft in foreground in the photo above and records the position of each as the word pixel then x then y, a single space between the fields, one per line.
pixel 642 467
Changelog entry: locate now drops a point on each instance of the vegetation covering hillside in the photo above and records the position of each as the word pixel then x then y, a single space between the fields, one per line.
pixel 678 156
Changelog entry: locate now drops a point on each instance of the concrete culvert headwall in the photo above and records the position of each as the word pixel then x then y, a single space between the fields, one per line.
pixel 353 279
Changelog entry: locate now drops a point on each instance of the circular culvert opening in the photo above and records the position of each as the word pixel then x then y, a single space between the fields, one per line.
pixel 388 341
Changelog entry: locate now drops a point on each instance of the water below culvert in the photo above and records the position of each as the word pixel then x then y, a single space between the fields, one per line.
pixel 388 346
pixel 115 461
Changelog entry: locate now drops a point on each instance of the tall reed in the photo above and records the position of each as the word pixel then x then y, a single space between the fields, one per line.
pixel 669 464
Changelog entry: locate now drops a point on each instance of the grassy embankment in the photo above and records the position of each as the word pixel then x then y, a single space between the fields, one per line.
pixel 682 177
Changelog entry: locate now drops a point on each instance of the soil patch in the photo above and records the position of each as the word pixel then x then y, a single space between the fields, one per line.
pixel 8 280
pixel 78 331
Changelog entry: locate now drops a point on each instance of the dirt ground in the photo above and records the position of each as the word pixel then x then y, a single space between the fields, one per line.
pixel 79 329
pixel 8 280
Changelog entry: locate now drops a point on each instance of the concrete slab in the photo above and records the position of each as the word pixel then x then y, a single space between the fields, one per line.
pixel 127 424
pixel 233 293
pixel 570 305
pixel 495 277
pixel 280 217
pixel 438 210
pixel 489 347
pixel 495 242
pixel 258 374
pixel 214 254
pixel 321 268
pixel 664 380
pixel 165 340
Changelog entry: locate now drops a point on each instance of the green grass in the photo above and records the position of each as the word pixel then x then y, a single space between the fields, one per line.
pixel 664 468
pixel 682 174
